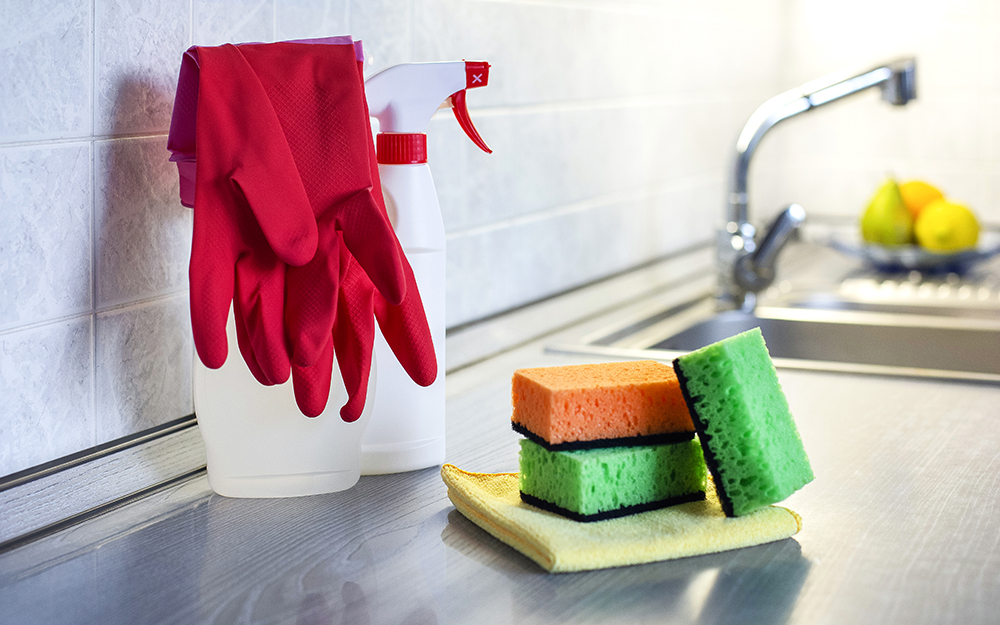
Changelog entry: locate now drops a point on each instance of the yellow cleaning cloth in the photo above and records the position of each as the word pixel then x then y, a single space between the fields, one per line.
pixel 493 502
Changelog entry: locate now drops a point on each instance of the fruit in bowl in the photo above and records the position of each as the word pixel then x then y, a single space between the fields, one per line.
pixel 918 212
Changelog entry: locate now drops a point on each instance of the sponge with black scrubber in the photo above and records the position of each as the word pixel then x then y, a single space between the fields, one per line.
pixel 749 438
pixel 600 405
pixel 598 484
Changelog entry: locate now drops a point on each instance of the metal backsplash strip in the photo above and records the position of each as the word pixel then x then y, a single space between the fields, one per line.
pixel 50 497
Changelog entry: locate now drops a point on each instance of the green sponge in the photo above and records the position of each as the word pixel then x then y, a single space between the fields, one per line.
pixel 750 441
pixel 597 484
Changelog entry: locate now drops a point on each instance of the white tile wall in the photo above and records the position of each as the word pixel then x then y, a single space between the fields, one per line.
pixel 301 19
pixel 612 124
pixel 45 238
pixel 46 70
pixel 142 233
pixel 587 103
pixel 136 391
pixel 232 21
pixel 47 385
pixel 136 55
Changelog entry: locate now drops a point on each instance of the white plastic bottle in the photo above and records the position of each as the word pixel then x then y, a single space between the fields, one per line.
pixel 407 427
pixel 259 444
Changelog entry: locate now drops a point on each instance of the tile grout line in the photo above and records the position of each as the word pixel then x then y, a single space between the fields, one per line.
pixel 93 70
pixel 91 138
pixel 93 222
pixel 161 297
pixel 190 43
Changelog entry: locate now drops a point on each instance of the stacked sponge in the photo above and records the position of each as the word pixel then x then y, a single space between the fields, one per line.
pixel 606 440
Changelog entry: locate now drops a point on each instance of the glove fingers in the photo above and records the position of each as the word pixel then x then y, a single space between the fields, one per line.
pixel 406 331
pixel 354 336
pixel 243 339
pixel 372 242
pixel 211 282
pixel 311 301
pixel 260 290
pixel 312 384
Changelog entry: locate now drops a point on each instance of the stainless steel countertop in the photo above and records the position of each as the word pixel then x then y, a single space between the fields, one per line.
pixel 901 525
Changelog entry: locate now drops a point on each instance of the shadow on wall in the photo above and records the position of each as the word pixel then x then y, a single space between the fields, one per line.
pixel 142 246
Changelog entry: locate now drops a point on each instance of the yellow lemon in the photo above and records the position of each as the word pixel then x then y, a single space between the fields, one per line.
pixel 945 226
pixel 917 194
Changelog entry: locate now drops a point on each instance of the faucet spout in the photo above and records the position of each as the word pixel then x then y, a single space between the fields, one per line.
pixel 897 81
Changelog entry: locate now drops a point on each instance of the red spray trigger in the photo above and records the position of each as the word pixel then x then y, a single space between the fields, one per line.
pixel 477 74
pixel 462 115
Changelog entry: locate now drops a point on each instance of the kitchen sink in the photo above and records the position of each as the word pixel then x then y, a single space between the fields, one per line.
pixel 829 334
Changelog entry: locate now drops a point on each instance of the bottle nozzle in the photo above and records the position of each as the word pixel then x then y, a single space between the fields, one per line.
pixel 404 97
pixel 477 74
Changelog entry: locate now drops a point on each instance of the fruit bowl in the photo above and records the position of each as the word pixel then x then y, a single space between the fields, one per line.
pixel 914 257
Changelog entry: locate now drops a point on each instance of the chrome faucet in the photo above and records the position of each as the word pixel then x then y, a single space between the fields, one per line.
pixel 746 267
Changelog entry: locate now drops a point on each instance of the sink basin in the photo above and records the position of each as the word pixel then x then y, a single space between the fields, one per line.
pixel 843 339
pixel 875 340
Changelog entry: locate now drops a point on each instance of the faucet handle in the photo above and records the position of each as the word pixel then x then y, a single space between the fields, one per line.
pixel 755 272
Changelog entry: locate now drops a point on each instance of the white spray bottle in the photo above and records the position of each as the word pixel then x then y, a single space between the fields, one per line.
pixel 407 428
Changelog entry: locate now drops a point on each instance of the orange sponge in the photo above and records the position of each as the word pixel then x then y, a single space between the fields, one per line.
pixel 583 406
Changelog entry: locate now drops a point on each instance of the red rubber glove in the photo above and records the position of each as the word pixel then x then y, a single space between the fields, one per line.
pixel 318 94
pixel 331 302
pixel 328 135
pixel 252 215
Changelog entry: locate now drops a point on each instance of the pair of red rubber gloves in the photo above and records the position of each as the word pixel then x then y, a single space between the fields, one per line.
pixel 289 221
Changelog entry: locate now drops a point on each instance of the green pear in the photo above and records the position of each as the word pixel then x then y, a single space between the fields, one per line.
pixel 887 221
